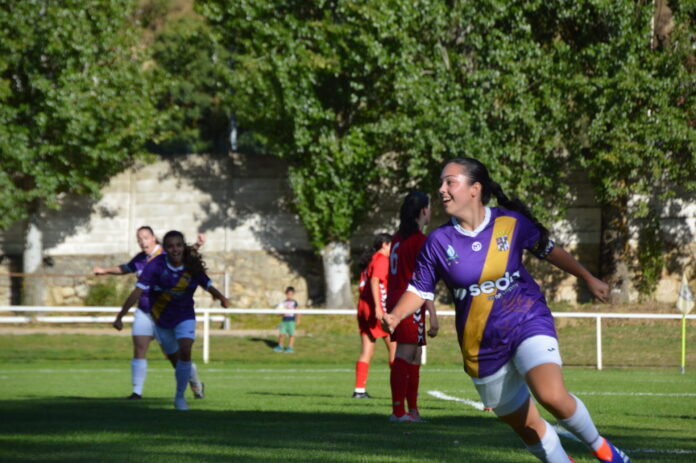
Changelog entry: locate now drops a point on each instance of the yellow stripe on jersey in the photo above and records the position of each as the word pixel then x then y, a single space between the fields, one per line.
pixel 165 297
pixel 481 305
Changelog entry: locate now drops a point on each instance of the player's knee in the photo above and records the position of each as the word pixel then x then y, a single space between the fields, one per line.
pixel 553 399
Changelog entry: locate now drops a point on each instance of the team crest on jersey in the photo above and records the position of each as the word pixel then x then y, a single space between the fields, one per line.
pixel 502 242
pixel 451 255
pixel 476 246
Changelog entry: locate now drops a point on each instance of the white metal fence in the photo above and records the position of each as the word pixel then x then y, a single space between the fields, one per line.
pixel 205 316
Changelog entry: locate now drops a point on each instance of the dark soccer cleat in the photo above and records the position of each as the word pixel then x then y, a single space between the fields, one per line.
pixel 361 395
pixel 607 453
pixel 134 396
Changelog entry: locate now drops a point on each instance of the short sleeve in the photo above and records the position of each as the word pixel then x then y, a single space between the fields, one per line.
pixel 380 268
pixel 204 281
pixel 130 266
pixel 425 276
pixel 530 235
pixel 147 277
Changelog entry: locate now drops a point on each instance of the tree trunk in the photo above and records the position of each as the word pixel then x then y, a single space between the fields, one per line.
pixel 615 252
pixel 336 258
pixel 33 288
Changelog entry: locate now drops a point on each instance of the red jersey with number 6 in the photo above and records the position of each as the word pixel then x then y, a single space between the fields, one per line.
pixel 402 263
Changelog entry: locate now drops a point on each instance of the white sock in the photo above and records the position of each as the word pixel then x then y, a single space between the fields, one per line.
pixel 138 374
pixel 549 448
pixel 194 374
pixel 581 425
pixel 182 375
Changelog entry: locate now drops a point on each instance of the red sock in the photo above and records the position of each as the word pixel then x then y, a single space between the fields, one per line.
pixel 361 371
pixel 399 385
pixel 412 390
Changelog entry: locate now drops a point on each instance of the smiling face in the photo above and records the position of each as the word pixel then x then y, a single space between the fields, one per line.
pixel 174 245
pixel 456 192
pixel 146 240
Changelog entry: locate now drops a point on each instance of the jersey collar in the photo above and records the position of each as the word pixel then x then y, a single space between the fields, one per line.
pixel 479 229
pixel 171 267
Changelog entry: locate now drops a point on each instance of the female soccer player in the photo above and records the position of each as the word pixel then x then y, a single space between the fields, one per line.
pixel 410 334
pixel 504 325
pixel 170 281
pixel 373 293
pixel 143 329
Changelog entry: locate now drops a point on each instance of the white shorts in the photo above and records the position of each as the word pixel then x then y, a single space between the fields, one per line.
pixel 506 390
pixel 168 336
pixel 143 325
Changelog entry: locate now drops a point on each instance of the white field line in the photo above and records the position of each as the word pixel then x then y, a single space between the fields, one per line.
pixel 441 395
pixel 561 430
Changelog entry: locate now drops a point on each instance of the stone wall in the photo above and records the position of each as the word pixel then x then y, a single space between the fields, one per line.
pixel 240 203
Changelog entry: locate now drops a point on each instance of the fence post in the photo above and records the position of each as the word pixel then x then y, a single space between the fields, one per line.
pixel 206 336
pixel 599 342
pixel 226 284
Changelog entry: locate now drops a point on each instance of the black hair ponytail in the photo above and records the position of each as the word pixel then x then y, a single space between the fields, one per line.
pixel 377 244
pixel 411 208
pixel 477 172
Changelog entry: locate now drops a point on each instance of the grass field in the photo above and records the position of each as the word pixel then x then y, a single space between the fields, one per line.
pixel 63 402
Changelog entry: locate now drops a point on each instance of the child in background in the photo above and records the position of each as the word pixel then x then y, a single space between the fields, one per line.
pixel 289 322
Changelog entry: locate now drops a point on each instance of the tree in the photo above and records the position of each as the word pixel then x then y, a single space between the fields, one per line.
pixel 313 82
pixel 192 74
pixel 630 124
pixel 74 105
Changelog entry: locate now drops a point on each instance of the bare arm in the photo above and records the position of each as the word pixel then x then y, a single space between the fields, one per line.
pixel 377 297
pixel 115 270
pixel 219 296
pixel 408 303
pixel 434 322
pixel 130 301
pixel 561 259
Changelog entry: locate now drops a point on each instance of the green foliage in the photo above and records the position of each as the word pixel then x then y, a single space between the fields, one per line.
pixel 191 74
pixel 631 122
pixel 74 100
pixel 109 293
pixel 651 251
pixel 359 95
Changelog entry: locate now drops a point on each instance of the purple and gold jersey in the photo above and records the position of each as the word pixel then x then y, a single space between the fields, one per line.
pixel 170 291
pixel 136 265
pixel 498 304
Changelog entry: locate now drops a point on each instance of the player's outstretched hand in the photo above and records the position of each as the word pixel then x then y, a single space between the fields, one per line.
pixel 118 324
pixel 598 288
pixel 98 271
pixel 224 302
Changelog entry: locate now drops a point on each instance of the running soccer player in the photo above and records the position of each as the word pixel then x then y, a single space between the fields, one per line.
pixel 374 264
pixel 170 281
pixel 505 328
pixel 410 334
pixel 143 328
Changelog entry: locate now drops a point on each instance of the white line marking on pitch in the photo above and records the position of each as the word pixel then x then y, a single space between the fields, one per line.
pixel 441 395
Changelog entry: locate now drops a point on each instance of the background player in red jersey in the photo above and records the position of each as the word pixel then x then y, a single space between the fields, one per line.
pixel 374 265
pixel 410 334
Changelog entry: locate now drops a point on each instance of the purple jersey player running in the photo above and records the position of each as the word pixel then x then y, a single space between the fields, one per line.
pixel 170 281
pixel 143 328
pixel 504 325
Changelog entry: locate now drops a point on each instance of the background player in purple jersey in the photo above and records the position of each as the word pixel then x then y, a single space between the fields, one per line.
pixel 143 328
pixel 504 325
pixel 171 280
